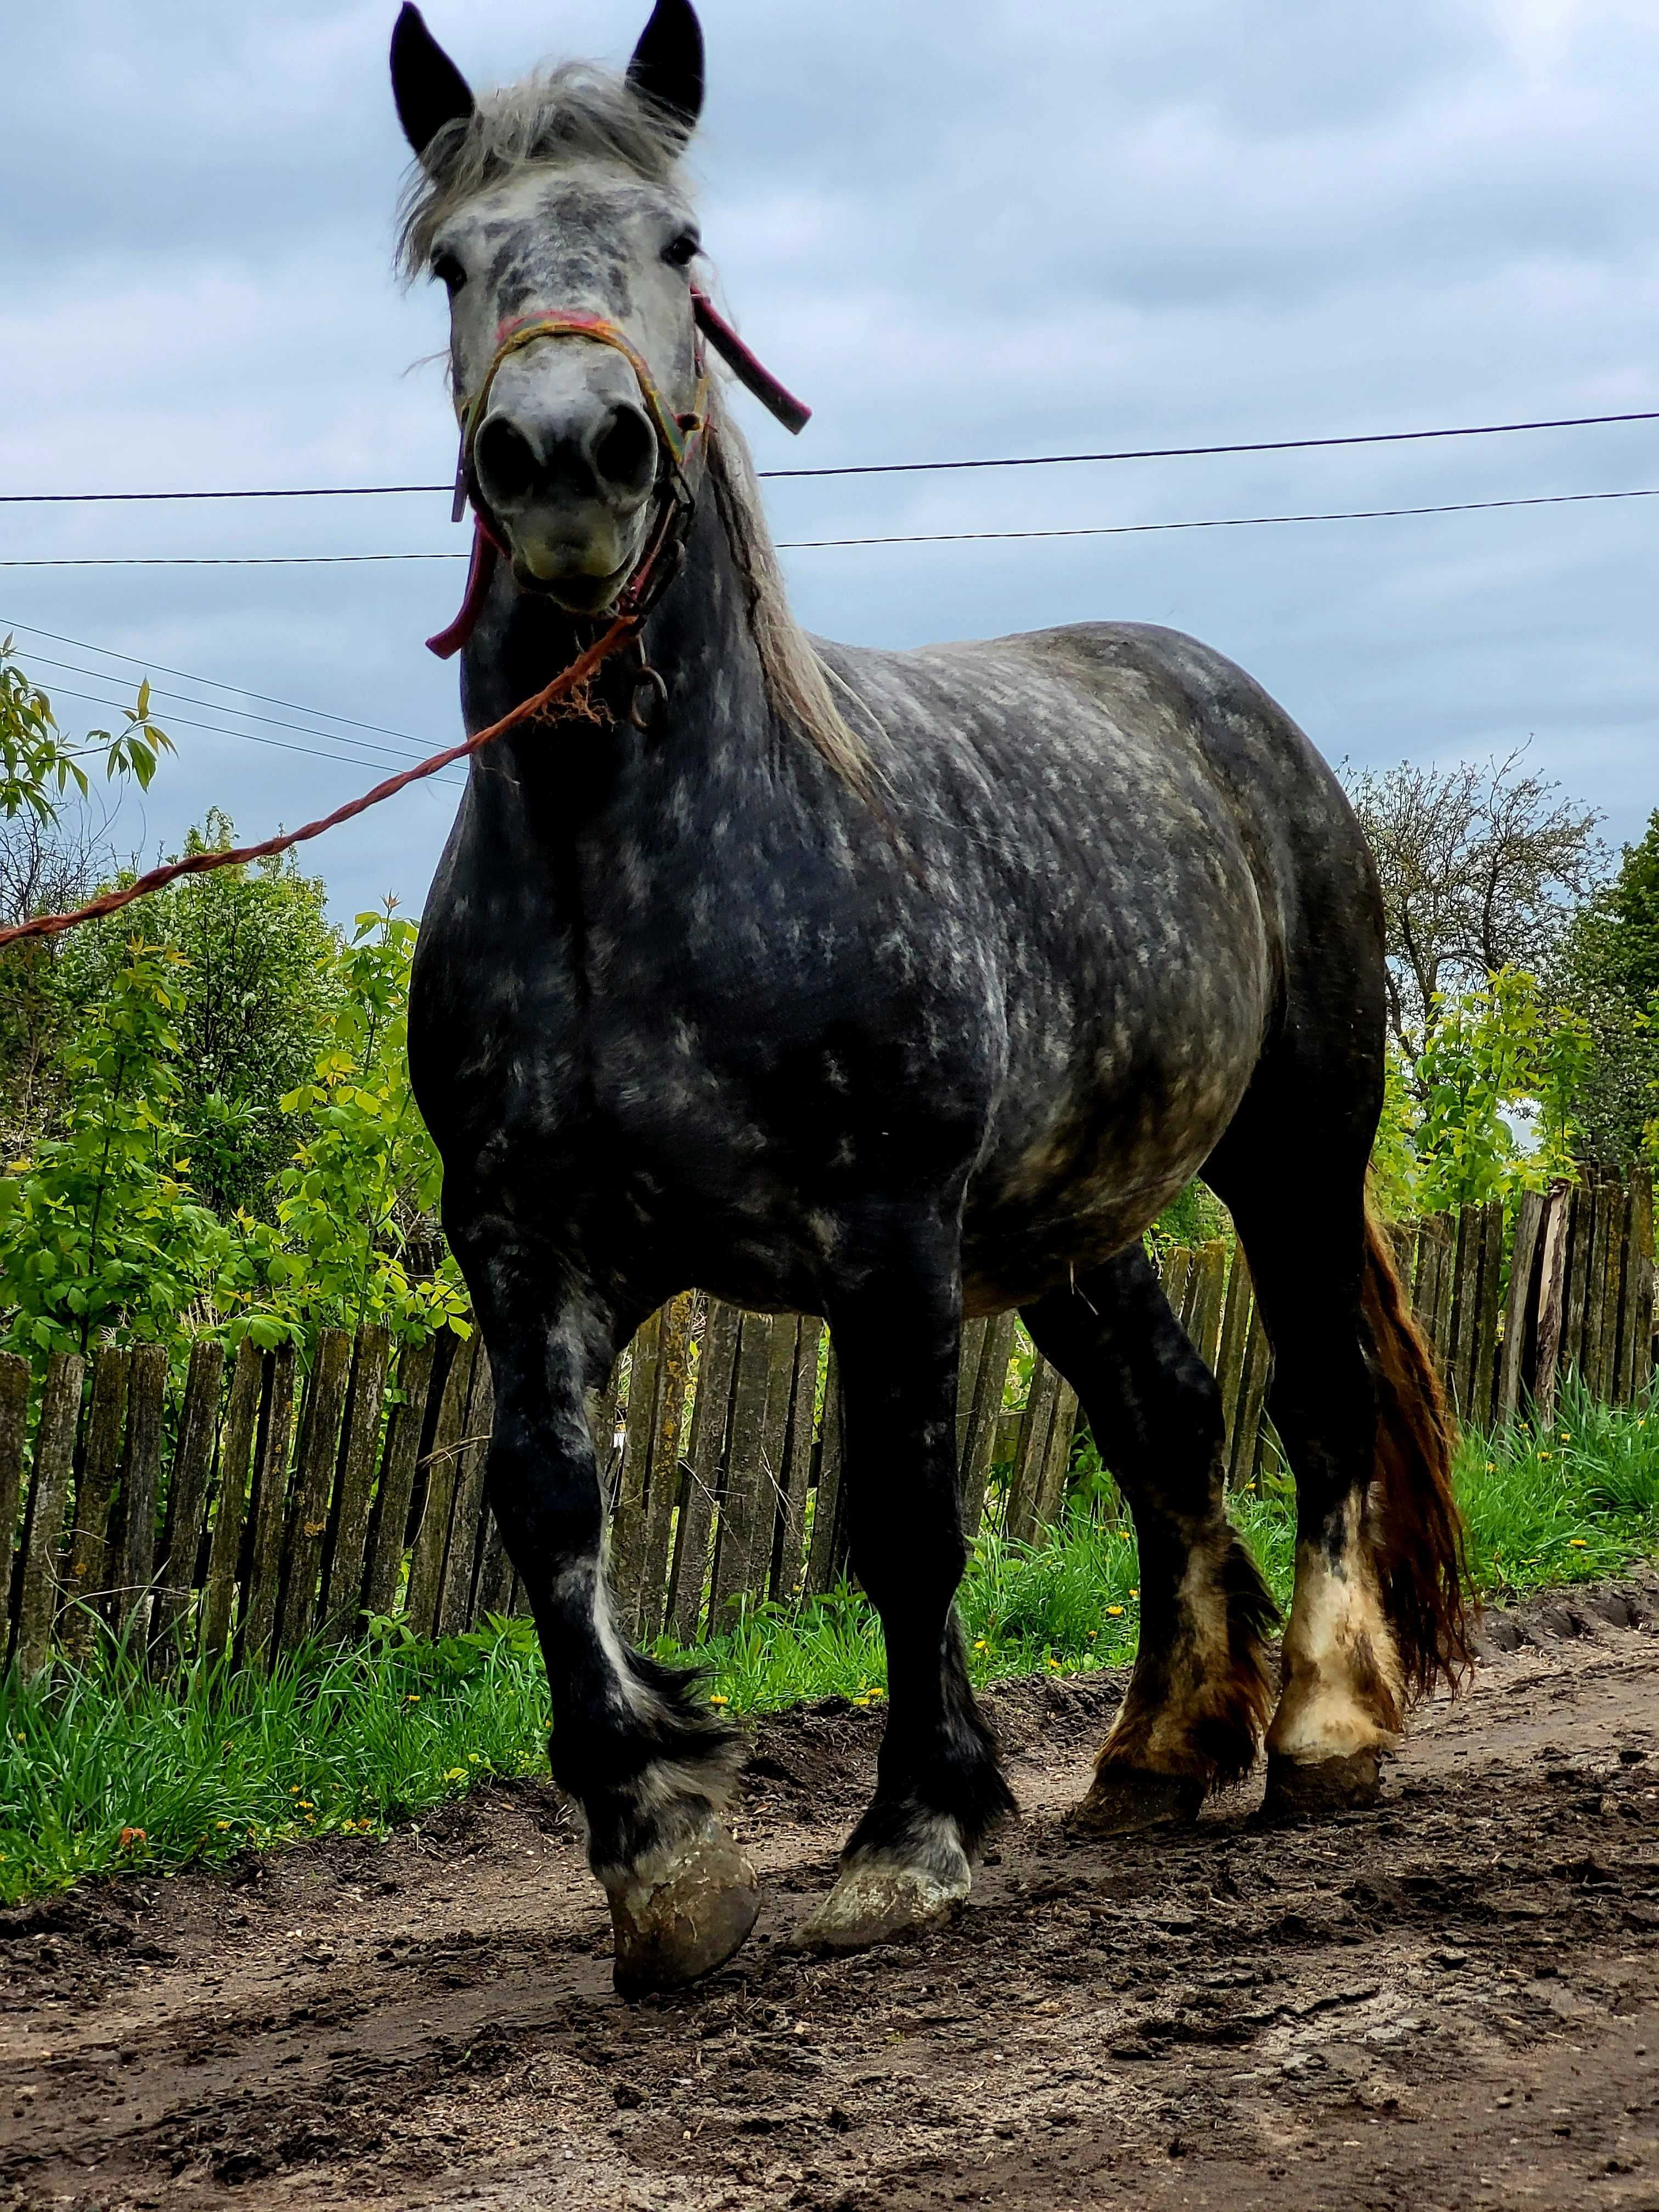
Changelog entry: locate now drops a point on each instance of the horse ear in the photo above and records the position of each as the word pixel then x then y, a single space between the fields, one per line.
pixel 428 88
pixel 668 63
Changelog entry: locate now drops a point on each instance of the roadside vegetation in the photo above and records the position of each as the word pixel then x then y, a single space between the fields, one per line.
pixel 104 1766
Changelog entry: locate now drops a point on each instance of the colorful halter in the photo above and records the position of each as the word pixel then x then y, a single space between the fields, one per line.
pixel 683 440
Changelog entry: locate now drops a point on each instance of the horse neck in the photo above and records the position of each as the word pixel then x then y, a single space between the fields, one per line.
pixel 575 776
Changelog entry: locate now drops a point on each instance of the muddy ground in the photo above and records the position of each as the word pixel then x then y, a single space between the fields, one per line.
pixel 1451 2001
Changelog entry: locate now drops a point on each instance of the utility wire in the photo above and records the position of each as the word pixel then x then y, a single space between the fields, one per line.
pixel 212 683
pixel 212 706
pixel 891 468
pixel 369 758
pixel 917 538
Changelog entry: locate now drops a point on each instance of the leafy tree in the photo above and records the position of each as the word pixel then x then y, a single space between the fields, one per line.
pixel 258 996
pixel 1608 972
pixel 1489 1056
pixel 101 1231
pixel 39 768
pixel 50 855
pixel 1480 865
pixel 355 1235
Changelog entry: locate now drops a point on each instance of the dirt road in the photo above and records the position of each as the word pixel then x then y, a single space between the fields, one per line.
pixel 1453 2002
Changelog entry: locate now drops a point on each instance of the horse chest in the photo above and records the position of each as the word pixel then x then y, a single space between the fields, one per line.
pixel 730 1050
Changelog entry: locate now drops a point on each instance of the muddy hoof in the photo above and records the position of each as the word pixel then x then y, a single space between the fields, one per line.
pixel 1123 1800
pixel 1311 1790
pixel 874 1903
pixel 672 1930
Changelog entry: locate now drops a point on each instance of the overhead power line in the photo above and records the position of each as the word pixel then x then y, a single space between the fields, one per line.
pixel 891 468
pixel 349 749
pixel 371 757
pixel 915 538
pixel 214 683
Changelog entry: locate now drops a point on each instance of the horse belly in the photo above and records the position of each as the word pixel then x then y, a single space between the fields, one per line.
pixel 1113 1110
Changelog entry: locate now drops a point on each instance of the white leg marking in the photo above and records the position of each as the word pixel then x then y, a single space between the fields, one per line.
pixel 1344 1685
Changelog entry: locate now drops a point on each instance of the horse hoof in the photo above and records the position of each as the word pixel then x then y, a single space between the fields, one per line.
pixel 1312 1789
pixel 875 1904
pixel 673 1930
pixel 1126 1801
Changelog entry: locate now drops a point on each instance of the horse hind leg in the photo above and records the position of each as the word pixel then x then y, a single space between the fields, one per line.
pixel 1201 1690
pixel 1377 1615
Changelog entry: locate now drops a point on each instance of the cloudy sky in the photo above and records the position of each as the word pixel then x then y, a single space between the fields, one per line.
pixel 994 227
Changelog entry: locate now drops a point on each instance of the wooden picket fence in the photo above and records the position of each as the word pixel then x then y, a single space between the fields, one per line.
pixel 265 1501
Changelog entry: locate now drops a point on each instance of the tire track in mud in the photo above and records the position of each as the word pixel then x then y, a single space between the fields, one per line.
pixel 1452 2000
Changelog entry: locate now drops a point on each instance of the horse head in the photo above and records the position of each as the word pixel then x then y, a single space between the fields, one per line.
pixel 557 215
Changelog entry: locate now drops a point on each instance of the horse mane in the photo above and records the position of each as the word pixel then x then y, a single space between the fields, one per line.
pixel 798 679
pixel 577 112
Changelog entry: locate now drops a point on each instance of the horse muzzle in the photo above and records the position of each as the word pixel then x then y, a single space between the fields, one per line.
pixel 565 462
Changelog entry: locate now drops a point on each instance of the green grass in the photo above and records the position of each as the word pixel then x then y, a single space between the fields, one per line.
pixel 220 1760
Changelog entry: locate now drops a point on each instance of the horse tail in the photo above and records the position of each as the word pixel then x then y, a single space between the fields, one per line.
pixel 1417 1531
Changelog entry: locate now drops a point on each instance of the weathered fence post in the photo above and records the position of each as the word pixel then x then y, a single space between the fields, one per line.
pixel 43 1527
pixel 97 1474
pixel 343 1566
pixel 132 1547
pixel 403 1429
pixel 235 1453
pixel 187 1503
pixel 710 1411
pixel 271 1472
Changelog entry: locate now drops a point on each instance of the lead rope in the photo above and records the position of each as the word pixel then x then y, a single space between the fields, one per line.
pixel 621 633
pixel 682 436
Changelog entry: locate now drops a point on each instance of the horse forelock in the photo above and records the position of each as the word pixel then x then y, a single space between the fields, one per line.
pixel 553 119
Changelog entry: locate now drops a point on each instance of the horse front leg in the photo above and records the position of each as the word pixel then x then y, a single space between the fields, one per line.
pixel 896 1323
pixel 649 1765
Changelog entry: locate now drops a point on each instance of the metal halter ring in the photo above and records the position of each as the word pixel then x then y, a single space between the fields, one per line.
pixel 647 699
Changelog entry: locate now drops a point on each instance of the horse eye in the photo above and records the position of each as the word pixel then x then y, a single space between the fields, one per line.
pixel 449 272
pixel 681 252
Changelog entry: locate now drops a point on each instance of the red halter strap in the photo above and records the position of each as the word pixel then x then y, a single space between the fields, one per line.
pixel 682 439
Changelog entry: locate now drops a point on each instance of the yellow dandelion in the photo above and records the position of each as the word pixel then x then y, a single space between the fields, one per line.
pixel 981 1645
pixel 1543 1455
pixel 1566 1436
pixel 221 1825
pixel 1492 1467
pixel 1123 1535
pixel 1577 1544
pixel 1134 1593
pixel 411 1699
pixel 718 1701
pixel 1115 1610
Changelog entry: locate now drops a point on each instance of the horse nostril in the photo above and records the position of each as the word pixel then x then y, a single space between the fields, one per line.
pixel 626 456
pixel 505 460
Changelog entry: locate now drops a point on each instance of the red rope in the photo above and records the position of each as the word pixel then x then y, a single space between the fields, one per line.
pixel 202 864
